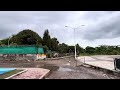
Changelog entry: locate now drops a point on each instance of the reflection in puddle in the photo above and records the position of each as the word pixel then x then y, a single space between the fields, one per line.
pixel 50 67
pixel 64 69
pixel 68 64
pixel 56 68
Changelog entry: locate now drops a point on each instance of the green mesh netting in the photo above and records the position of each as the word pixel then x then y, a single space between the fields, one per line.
pixel 21 50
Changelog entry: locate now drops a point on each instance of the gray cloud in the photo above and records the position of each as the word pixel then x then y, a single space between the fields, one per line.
pixel 14 21
pixel 98 24
pixel 108 27
pixel 95 15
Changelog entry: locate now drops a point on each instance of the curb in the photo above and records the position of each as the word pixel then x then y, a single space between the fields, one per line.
pixel 104 69
pixel 44 75
pixel 59 58
pixel 16 74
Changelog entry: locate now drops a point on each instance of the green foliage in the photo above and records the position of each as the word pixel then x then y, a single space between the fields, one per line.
pixel 90 50
pixel 63 48
pixel 13 44
pixel 47 39
pixel 54 44
pixel 0 42
pixel 45 49
pixel 28 37
pixel 71 48
pixel 102 50
pixel 5 41
pixel 79 49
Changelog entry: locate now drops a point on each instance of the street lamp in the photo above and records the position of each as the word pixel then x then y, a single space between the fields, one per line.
pixel 74 35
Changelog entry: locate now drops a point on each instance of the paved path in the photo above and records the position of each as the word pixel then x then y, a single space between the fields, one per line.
pixel 32 73
pixel 105 62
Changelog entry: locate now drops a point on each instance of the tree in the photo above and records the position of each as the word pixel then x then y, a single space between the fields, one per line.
pixel 47 39
pixel 110 50
pixel 45 49
pixel 54 44
pixel 101 50
pixel 26 37
pixel 63 48
pixel 13 39
pixel 71 48
pixel 12 44
pixel 79 49
pixel 5 41
pixel 0 43
pixel 90 50
pixel 114 52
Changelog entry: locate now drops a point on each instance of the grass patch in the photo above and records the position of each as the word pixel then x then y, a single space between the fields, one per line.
pixel 7 74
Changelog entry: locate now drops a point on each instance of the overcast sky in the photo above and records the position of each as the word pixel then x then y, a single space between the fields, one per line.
pixel 101 27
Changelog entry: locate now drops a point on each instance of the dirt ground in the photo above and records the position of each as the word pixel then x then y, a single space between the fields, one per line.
pixel 62 69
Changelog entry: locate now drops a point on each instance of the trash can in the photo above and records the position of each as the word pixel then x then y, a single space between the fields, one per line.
pixel 117 64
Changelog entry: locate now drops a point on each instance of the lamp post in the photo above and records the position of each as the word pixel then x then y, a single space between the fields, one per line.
pixel 74 36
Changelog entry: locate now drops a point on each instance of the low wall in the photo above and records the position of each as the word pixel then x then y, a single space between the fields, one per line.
pixel 18 57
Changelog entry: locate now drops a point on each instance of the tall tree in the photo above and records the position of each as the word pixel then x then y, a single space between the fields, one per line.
pixel 47 39
pixel 5 41
pixel 79 49
pixel 28 37
pixel 45 49
pixel 90 50
pixel 63 48
pixel 71 49
pixel 0 42
pixel 54 44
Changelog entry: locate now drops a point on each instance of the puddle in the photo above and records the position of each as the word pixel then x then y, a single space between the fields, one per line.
pixel 68 64
pixel 50 67
pixel 65 69
pixel 55 68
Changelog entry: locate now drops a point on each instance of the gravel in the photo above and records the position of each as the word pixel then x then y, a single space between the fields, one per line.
pixel 32 73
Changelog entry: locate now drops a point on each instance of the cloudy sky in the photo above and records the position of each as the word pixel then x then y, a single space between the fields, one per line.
pixel 101 27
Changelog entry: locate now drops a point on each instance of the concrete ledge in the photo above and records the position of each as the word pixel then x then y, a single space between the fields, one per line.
pixel 113 72
pixel 16 74
pixel 59 57
pixel 44 75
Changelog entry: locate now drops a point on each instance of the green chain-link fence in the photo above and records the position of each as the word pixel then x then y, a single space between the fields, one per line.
pixel 21 50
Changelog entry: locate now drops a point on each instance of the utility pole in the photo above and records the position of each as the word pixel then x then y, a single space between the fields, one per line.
pixel 74 37
pixel 74 40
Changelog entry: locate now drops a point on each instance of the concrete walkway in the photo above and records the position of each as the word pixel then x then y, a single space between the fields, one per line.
pixel 32 73
pixel 104 63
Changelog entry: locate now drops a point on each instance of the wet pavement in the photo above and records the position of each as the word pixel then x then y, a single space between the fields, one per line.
pixel 80 72
pixel 64 68
pixel 68 70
